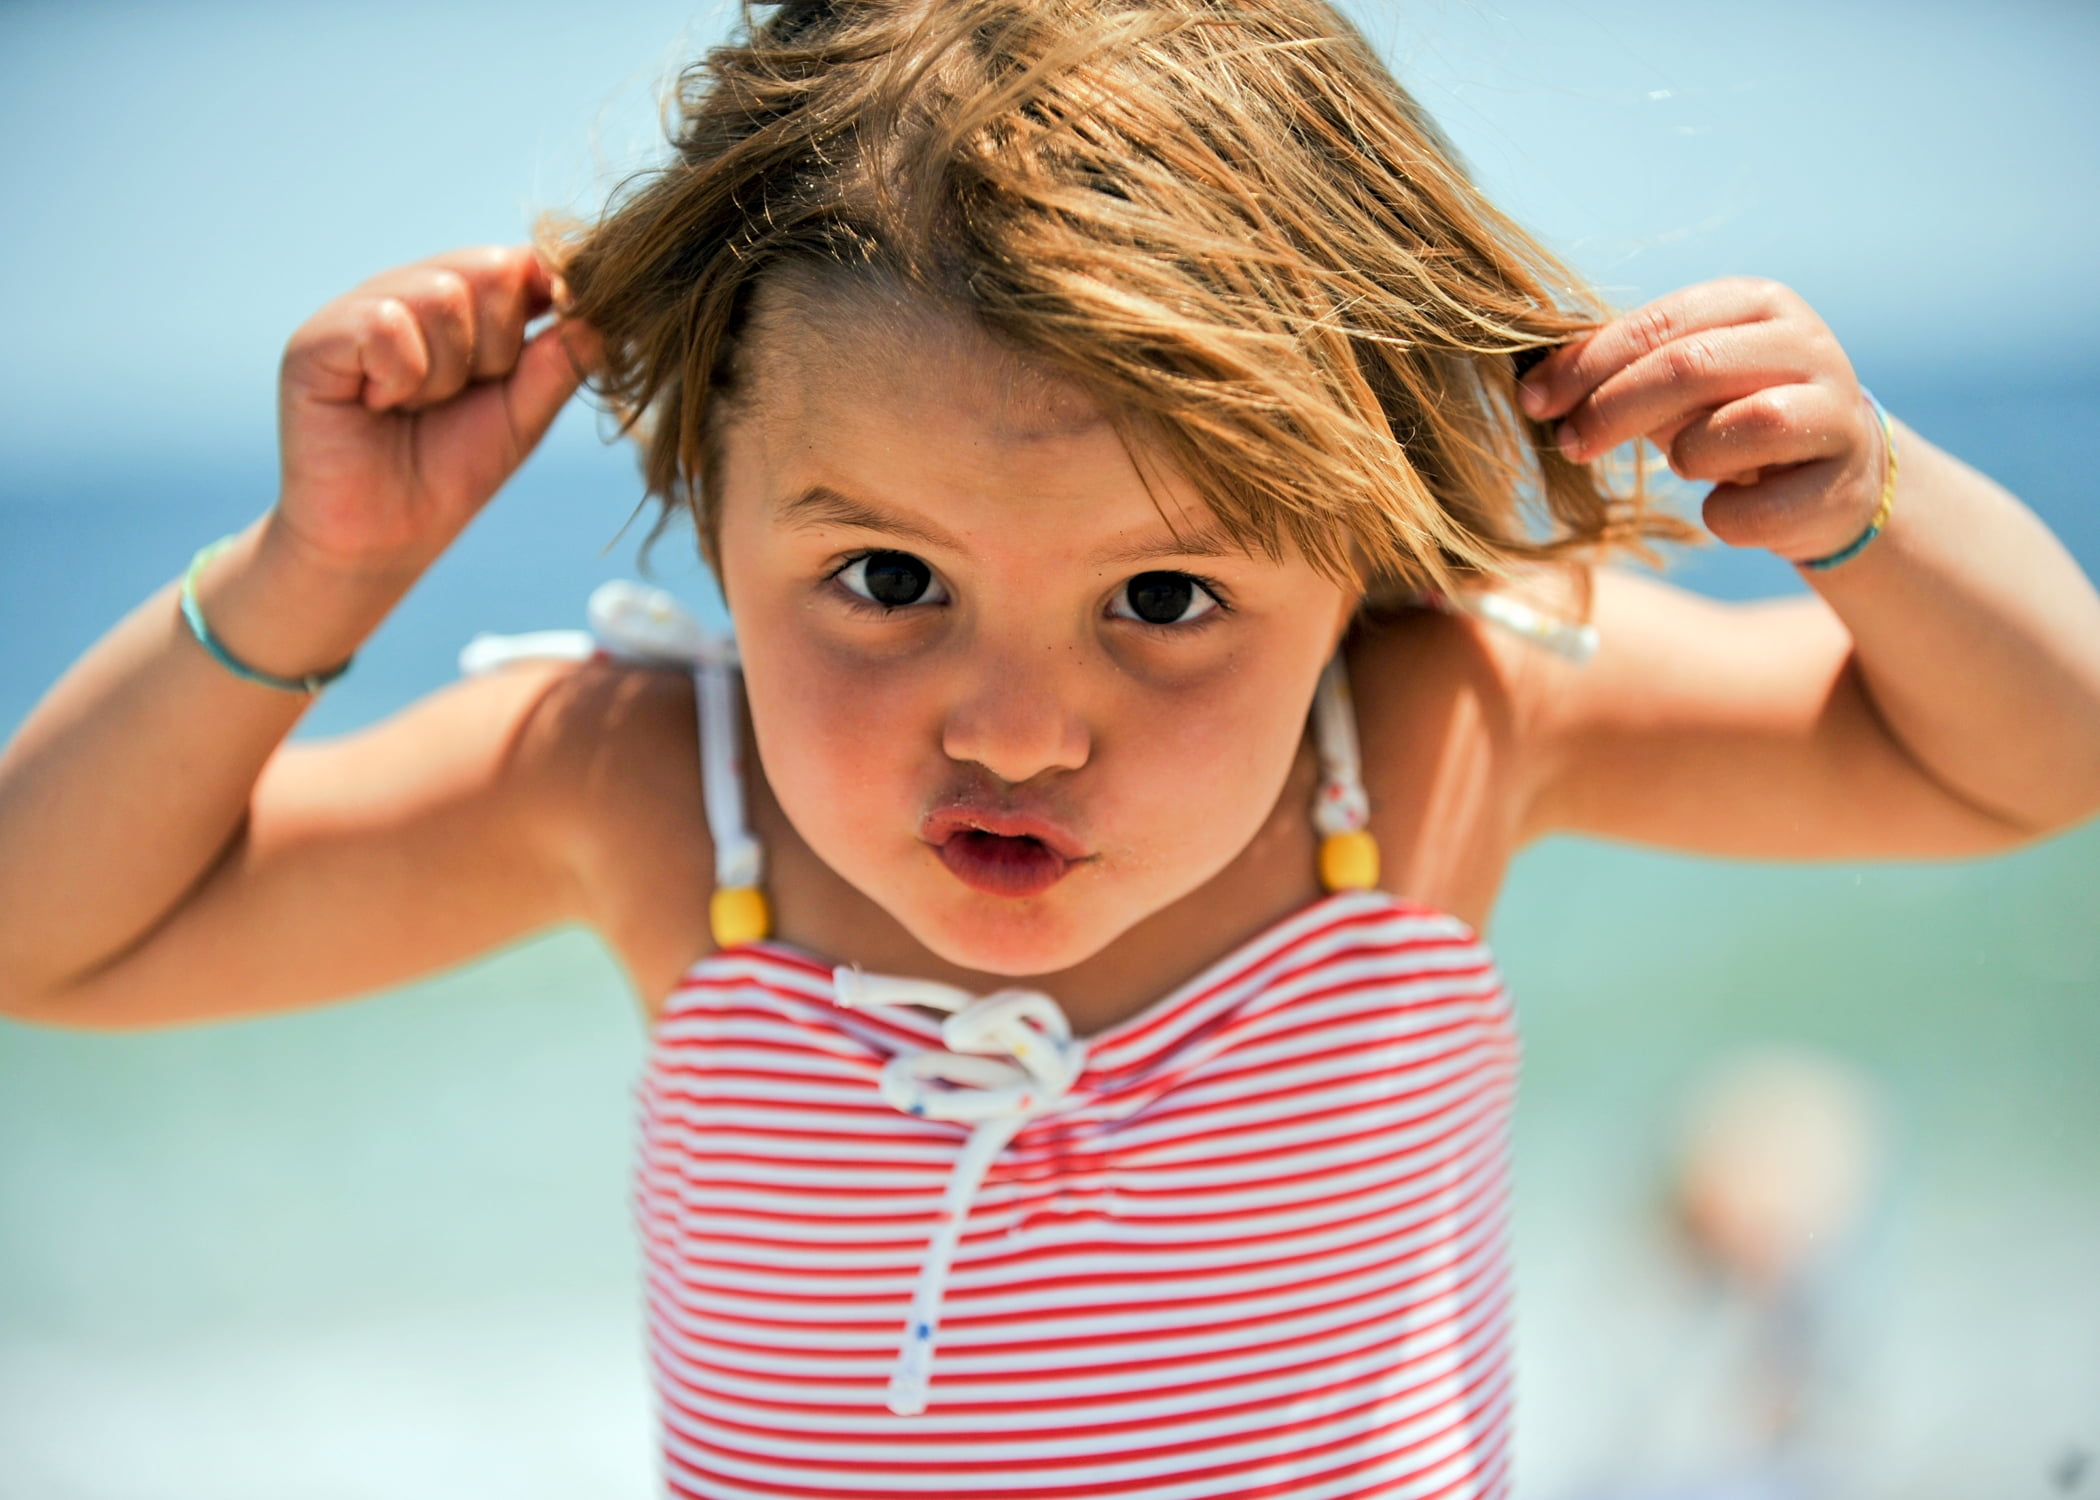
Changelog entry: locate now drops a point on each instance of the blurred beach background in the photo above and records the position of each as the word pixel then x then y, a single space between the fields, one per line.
pixel 383 1249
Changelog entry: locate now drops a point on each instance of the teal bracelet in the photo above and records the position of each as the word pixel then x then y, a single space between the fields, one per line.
pixel 193 615
pixel 1881 512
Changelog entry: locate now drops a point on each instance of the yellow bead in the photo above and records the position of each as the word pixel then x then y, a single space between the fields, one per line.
pixel 739 914
pixel 1349 861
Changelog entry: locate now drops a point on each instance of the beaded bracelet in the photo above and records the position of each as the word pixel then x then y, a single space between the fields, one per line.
pixel 1881 512
pixel 193 615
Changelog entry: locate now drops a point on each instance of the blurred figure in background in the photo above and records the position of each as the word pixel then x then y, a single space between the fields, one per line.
pixel 1776 1169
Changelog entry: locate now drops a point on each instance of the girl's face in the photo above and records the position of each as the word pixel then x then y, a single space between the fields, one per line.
pixel 996 686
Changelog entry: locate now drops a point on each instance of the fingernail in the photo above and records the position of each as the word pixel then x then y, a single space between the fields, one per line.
pixel 1569 443
pixel 1532 398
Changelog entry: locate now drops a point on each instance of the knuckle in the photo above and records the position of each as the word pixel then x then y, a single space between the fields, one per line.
pixel 1767 413
pixel 387 320
pixel 451 294
pixel 1774 296
pixel 1692 360
pixel 1650 328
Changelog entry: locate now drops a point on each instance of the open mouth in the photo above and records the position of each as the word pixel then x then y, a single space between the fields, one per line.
pixel 998 854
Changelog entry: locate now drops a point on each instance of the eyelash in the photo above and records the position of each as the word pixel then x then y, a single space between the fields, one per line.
pixel 882 611
pixel 1223 605
pixel 859 603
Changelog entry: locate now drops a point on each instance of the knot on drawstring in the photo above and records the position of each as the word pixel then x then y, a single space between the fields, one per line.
pixel 1010 1057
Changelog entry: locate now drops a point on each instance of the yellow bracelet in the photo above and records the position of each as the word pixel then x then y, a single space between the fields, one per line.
pixel 1882 511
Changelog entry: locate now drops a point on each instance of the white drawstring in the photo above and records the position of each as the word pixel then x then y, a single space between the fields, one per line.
pixel 1011 1057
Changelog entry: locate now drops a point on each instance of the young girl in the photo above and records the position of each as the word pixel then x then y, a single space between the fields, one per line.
pixel 1118 429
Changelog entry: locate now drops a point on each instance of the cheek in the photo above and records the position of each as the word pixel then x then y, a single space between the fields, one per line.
pixel 844 747
pixel 1196 775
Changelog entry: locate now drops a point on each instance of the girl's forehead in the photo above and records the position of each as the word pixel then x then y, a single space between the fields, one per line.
pixel 816 356
pixel 866 400
pixel 931 432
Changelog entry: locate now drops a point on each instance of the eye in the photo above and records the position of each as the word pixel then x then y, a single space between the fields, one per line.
pixel 891 579
pixel 1163 599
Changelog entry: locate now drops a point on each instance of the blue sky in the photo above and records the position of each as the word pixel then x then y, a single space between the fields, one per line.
pixel 185 182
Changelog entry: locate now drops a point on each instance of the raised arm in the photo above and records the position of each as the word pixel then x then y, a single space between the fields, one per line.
pixel 146 802
pixel 1942 696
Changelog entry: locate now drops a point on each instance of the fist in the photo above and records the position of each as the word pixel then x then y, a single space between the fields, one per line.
pixel 1740 384
pixel 404 404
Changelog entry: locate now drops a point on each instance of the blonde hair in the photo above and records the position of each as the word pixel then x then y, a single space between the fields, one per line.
pixel 1223 218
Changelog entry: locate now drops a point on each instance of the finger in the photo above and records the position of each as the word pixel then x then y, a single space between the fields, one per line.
pixel 549 369
pixel 511 270
pixel 1571 372
pixel 1775 428
pixel 443 304
pixel 358 348
pixel 391 355
pixel 1769 513
pixel 1659 392
pixel 475 304
pixel 510 287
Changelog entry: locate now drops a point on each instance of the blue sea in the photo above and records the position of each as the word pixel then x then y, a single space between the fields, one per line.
pixel 384 1249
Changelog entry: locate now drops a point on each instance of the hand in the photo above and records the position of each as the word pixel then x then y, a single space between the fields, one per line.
pixel 1737 382
pixel 405 404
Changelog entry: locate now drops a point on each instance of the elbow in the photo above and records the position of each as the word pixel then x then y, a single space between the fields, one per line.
pixel 64 1007
pixel 2077 814
pixel 2067 795
pixel 2026 785
pixel 2056 806
pixel 30 1007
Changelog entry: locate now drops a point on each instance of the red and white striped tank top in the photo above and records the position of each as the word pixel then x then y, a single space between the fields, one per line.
pixel 1251 1241
pixel 1260 1248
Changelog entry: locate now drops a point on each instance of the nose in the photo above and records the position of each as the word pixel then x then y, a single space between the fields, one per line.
pixel 1013 717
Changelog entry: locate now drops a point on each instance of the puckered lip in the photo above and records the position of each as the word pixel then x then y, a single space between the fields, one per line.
pixel 952 818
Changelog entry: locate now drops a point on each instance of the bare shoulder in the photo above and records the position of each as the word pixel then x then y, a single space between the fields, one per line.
pixel 1443 705
pixel 611 763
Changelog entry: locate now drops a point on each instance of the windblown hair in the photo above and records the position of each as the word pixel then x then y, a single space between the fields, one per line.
pixel 1222 218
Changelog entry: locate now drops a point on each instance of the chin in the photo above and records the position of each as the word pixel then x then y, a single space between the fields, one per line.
pixel 1013 939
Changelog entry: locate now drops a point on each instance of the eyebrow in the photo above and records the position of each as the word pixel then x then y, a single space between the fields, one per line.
pixel 1203 542
pixel 821 505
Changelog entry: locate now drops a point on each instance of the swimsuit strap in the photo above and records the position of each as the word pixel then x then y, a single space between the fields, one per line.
pixel 1342 805
pixel 739 861
pixel 1342 809
pixel 633 622
pixel 1573 640
pixel 637 623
